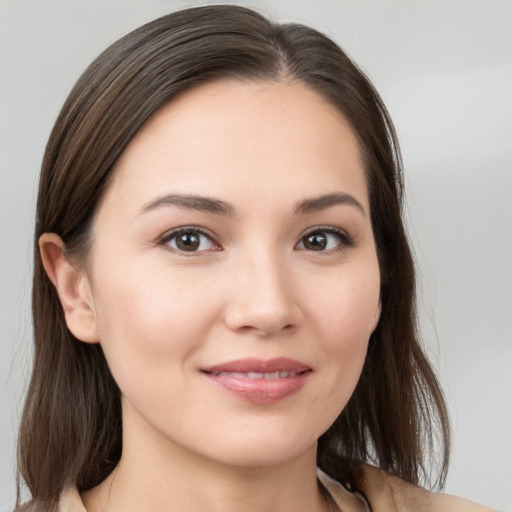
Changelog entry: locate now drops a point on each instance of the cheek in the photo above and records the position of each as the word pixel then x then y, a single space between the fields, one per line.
pixel 346 311
pixel 149 319
pixel 347 308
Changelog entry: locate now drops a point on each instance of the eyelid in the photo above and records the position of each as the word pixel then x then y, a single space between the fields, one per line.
pixel 332 229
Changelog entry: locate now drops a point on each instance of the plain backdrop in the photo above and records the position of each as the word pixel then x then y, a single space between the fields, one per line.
pixel 444 69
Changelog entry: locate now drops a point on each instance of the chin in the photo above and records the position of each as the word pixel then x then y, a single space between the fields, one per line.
pixel 264 451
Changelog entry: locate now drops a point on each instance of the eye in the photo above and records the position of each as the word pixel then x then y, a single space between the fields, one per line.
pixel 325 239
pixel 189 240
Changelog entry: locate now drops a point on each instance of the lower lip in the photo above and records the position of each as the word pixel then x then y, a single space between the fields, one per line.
pixel 260 391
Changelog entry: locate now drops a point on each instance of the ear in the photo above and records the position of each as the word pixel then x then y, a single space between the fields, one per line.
pixel 73 288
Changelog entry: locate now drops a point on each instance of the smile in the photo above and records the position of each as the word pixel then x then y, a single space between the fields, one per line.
pixel 260 381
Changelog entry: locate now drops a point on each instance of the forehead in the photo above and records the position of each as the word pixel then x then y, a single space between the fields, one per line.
pixel 229 137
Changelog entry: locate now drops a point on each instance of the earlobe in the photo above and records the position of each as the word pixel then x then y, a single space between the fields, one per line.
pixel 73 288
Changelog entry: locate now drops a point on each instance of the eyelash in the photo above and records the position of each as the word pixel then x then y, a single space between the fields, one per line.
pixel 345 240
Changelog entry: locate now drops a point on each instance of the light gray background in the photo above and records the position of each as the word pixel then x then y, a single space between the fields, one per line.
pixel 444 69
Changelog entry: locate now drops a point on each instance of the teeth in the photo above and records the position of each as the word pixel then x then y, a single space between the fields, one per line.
pixel 258 375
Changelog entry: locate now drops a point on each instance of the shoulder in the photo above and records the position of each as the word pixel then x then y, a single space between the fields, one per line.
pixel 346 500
pixel 69 501
pixel 387 492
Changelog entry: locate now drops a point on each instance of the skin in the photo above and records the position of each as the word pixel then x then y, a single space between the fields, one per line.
pixel 254 289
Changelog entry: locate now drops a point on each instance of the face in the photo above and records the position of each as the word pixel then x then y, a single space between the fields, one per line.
pixel 233 274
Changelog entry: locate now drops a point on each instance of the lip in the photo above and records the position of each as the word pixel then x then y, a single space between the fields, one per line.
pixel 260 381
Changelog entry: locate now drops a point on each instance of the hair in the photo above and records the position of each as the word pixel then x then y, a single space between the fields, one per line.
pixel 71 429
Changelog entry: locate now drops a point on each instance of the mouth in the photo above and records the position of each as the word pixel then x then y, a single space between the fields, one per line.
pixel 257 375
pixel 260 381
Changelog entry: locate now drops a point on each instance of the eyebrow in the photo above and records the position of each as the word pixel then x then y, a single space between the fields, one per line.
pixel 219 207
pixel 191 202
pixel 325 201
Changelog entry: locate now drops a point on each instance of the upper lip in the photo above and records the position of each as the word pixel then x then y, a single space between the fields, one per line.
pixel 258 366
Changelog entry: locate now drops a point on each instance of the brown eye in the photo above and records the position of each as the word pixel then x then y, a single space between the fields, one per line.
pixel 190 241
pixel 325 240
pixel 315 242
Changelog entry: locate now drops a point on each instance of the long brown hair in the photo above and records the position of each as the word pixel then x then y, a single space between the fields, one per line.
pixel 71 429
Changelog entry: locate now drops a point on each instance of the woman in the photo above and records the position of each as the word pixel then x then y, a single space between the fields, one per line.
pixel 223 290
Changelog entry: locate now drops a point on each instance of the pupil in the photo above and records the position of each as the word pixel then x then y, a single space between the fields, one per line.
pixel 188 242
pixel 316 241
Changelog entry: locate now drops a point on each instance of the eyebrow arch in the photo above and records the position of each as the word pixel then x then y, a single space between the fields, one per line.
pixel 191 202
pixel 323 202
pixel 219 207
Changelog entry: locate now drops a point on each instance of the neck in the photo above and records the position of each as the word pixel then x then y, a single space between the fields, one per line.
pixel 157 475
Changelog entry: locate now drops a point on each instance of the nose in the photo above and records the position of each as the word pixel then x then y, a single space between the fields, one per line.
pixel 263 298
